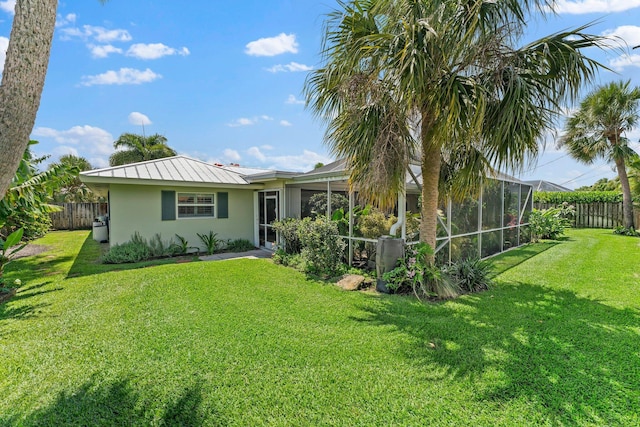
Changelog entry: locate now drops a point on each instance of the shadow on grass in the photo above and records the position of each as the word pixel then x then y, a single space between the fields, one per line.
pixel 87 262
pixel 119 404
pixel 33 290
pixel 575 360
pixel 37 267
pixel 511 258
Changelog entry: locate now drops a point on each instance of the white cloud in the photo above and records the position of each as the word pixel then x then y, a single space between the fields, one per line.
pixel 245 121
pixel 291 67
pixel 139 119
pixel 625 61
pixel 628 35
pixel 92 142
pixel 255 152
pixel 154 51
pixel 61 21
pixel 99 34
pixel 285 123
pixel 102 51
pixel 293 100
pixel 123 76
pixel 232 155
pixel 4 44
pixel 8 6
pixel 301 162
pixel 578 7
pixel 272 46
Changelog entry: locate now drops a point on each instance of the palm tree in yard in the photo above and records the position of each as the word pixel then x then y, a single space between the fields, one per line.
pixel 25 68
pixel 74 191
pixel 139 148
pixel 443 82
pixel 597 129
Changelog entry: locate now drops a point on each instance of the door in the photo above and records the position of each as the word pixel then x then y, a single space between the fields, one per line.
pixel 269 209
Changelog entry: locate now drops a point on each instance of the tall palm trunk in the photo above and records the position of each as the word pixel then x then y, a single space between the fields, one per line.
pixel 627 201
pixel 430 165
pixel 23 80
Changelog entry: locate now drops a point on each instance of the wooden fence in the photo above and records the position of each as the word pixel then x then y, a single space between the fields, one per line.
pixel 596 215
pixel 77 216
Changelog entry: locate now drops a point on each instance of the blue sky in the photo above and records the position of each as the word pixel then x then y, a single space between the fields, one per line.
pixel 223 80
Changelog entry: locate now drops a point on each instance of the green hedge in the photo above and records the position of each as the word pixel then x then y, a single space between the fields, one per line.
pixel 577 197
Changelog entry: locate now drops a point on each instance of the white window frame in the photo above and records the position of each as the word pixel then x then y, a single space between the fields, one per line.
pixel 195 205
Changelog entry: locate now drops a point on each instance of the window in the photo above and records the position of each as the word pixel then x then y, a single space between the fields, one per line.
pixel 192 205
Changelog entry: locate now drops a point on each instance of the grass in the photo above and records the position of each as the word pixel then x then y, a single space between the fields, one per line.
pixel 247 342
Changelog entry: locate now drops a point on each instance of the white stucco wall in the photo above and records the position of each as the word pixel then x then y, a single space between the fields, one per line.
pixel 139 208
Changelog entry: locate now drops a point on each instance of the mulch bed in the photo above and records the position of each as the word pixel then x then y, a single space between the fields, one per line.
pixel 30 250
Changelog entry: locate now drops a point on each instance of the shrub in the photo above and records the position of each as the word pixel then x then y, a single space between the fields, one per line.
pixel 623 231
pixel 240 245
pixel 558 197
pixel 547 224
pixel 289 260
pixel 9 247
pixel 132 251
pixel 471 275
pixel 35 223
pixel 212 243
pixel 182 247
pixel 322 247
pixel 317 204
pixel 160 248
pixel 375 224
pixel 288 231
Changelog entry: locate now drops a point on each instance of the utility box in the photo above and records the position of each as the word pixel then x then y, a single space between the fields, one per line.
pixel 388 251
pixel 100 231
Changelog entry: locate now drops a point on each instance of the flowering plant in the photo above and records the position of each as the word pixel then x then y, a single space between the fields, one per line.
pixel 414 272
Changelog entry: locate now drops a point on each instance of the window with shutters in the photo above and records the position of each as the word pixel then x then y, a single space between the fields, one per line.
pixel 196 205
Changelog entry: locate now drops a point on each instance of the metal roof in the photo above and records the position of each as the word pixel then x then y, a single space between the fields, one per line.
pixel 176 169
pixel 542 185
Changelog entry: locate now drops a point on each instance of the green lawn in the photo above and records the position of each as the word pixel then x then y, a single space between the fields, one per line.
pixel 246 342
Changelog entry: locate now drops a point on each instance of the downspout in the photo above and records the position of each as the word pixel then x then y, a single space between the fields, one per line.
pixel 402 212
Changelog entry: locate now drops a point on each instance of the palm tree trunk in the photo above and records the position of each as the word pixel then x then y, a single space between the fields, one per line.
pixel 627 201
pixel 23 78
pixel 430 165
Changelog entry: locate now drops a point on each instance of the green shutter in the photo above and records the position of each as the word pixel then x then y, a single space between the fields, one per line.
pixel 168 205
pixel 223 205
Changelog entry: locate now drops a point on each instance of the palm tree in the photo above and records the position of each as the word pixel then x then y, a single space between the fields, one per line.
pixel 25 68
pixel 634 176
pixel 139 148
pixel 444 83
pixel 597 128
pixel 74 191
pixel 22 80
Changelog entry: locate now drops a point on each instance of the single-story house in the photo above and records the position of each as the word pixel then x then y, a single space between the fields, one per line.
pixel 185 196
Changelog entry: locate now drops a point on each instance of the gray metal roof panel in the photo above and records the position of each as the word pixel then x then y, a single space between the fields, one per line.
pixel 177 168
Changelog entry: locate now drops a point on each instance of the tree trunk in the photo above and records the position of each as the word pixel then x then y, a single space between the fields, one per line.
pixel 430 166
pixel 627 201
pixel 23 78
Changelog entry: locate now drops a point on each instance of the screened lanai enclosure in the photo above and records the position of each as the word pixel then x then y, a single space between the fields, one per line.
pixel 482 225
